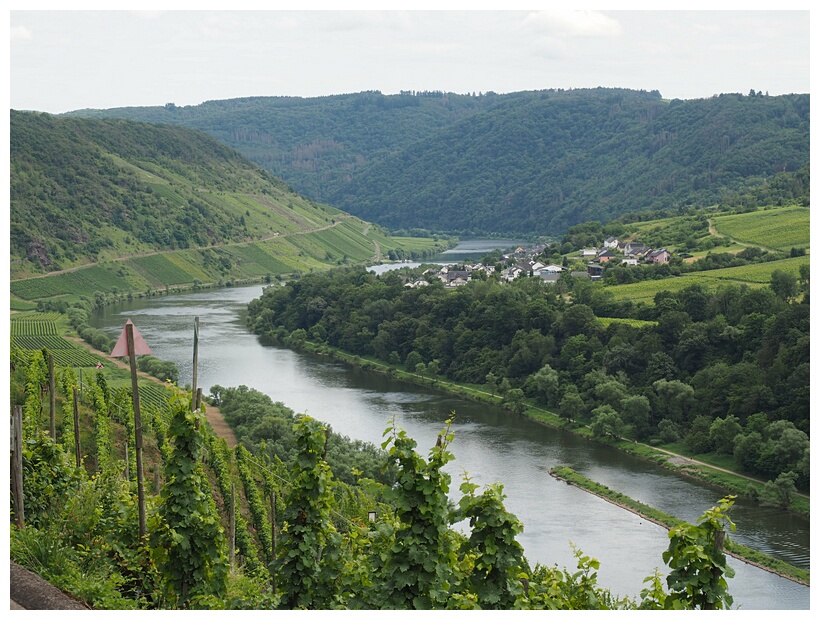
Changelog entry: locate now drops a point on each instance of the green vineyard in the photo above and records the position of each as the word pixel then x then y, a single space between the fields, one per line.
pixel 38 331
pixel 168 269
pixel 779 229
pixel 757 274
pixel 76 357
pixel 636 323
pixel 154 396
pixel 39 324
pixel 253 260
pixel 33 343
pixel 81 282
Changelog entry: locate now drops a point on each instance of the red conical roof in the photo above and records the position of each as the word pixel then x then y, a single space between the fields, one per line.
pixel 140 346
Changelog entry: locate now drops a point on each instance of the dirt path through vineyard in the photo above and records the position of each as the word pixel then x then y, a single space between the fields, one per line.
pixel 212 413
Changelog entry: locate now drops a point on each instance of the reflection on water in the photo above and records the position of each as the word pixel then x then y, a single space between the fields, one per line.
pixel 490 445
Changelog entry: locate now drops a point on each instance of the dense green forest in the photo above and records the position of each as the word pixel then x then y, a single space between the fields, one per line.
pixel 529 162
pixel 724 371
pixel 314 143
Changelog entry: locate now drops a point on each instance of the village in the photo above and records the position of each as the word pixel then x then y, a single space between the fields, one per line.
pixel 526 262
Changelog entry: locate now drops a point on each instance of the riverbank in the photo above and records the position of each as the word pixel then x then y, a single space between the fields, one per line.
pixel 741 552
pixel 491 442
pixel 724 479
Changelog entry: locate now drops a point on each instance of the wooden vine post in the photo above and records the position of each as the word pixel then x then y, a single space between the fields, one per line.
pixel 273 531
pixel 17 465
pixel 273 520
pixel 232 527
pixel 131 344
pixel 77 457
pixel 52 398
pixel 195 400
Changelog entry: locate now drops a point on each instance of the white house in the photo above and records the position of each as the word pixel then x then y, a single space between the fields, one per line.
pixel 552 268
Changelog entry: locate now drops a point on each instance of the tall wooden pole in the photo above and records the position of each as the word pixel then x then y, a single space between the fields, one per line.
pixel 273 535
pixel 273 521
pixel 195 405
pixel 76 429
pixel 52 398
pixel 17 465
pixel 132 359
pixel 232 527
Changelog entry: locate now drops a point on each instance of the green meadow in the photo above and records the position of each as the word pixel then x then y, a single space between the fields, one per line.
pixel 757 274
pixel 780 228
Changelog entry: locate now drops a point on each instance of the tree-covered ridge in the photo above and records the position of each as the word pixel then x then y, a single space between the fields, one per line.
pixel 525 162
pixel 724 371
pixel 544 164
pixel 83 190
pixel 315 143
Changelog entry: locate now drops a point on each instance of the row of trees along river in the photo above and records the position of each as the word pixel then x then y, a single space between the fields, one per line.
pixel 490 445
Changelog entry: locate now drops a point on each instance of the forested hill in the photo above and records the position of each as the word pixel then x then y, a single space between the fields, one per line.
pixel 83 190
pixel 314 143
pixel 523 162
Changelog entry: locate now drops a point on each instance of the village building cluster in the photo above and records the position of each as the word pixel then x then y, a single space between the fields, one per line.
pixel 628 253
pixel 523 262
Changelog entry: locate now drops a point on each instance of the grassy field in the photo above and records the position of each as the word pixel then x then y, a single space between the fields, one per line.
pixel 21 305
pixel 410 244
pixel 758 274
pixel 606 322
pixel 732 248
pixel 651 225
pixel 776 228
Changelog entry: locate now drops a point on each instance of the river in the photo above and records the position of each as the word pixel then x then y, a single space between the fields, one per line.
pixel 490 445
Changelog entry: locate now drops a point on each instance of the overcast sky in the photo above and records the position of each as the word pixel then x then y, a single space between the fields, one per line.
pixel 67 60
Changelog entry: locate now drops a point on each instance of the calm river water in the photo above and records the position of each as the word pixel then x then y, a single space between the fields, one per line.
pixel 490 445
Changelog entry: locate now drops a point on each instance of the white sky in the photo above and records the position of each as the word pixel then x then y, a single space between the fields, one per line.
pixel 68 60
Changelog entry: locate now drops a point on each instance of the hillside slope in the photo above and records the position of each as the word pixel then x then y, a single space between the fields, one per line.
pixel 84 191
pixel 548 163
pixel 313 143
pixel 523 162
